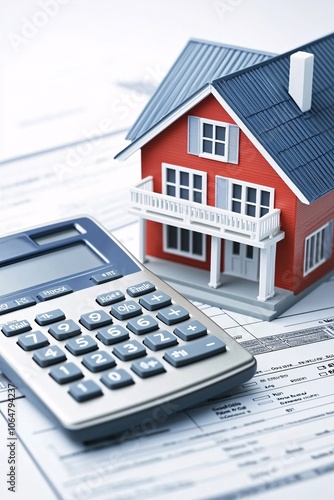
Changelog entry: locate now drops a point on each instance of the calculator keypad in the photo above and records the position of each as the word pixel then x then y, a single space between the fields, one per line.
pixel 116 340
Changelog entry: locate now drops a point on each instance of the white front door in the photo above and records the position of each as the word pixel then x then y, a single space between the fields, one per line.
pixel 241 260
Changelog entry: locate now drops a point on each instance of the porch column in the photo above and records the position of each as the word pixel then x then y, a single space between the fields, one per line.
pixel 215 262
pixel 142 240
pixel 267 273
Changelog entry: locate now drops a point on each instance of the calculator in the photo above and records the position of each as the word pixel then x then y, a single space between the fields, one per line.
pixel 100 343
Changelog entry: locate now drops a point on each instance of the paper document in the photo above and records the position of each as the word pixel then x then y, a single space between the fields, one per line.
pixel 273 435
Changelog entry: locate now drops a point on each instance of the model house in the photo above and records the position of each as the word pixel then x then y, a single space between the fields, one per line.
pixel 237 158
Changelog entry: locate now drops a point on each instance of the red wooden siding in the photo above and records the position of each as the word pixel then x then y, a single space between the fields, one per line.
pixel 309 219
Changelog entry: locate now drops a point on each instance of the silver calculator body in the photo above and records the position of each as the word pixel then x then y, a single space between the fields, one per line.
pixel 97 341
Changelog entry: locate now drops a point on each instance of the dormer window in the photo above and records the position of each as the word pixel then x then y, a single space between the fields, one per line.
pixel 212 139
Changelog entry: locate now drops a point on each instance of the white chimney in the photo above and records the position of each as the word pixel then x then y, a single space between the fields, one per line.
pixel 301 76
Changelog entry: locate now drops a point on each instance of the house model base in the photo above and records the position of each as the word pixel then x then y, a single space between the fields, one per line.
pixel 238 295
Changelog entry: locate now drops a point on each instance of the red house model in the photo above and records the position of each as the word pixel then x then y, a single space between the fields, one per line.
pixel 237 153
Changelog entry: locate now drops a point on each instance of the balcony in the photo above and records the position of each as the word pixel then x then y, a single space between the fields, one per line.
pixel 205 219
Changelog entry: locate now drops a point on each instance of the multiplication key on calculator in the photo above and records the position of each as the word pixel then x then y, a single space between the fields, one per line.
pixel 98 341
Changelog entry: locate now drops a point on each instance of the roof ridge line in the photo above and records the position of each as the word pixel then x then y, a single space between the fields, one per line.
pixel 231 46
pixel 275 57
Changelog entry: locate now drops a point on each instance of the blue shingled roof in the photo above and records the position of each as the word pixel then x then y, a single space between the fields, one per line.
pixel 199 64
pixel 302 144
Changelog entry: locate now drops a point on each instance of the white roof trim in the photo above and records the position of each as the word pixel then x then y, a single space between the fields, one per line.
pixel 259 147
pixel 163 124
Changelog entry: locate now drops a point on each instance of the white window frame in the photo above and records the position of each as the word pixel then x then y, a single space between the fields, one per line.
pixel 195 139
pixel 178 169
pixel 315 243
pixel 178 250
pixel 244 202
pixel 189 171
pixel 214 123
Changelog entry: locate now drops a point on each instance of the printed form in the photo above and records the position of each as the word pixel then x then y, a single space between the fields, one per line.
pixel 271 437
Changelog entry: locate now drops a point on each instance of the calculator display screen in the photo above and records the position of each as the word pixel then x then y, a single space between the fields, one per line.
pixel 48 267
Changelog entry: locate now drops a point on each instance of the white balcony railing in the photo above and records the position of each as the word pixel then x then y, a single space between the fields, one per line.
pixel 198 217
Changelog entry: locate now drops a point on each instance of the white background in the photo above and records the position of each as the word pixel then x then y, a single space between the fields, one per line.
pixel 74 68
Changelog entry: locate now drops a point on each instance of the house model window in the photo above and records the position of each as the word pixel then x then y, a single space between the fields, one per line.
pixel 190 185
pixel 318 247
pixel 251 200
pixel 212 139
pixel 184 184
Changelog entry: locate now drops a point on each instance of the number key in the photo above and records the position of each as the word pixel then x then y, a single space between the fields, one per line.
pixel 160 340
pixel 98 361
pixel 32 340
pixel 141 325
pixel 95 319
pixel 81 345
pixel 64 329
pixel 85 390
pixel 112 334
pixel 115 379
pixel 67 372
pixel 47 356
pixel 129 350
